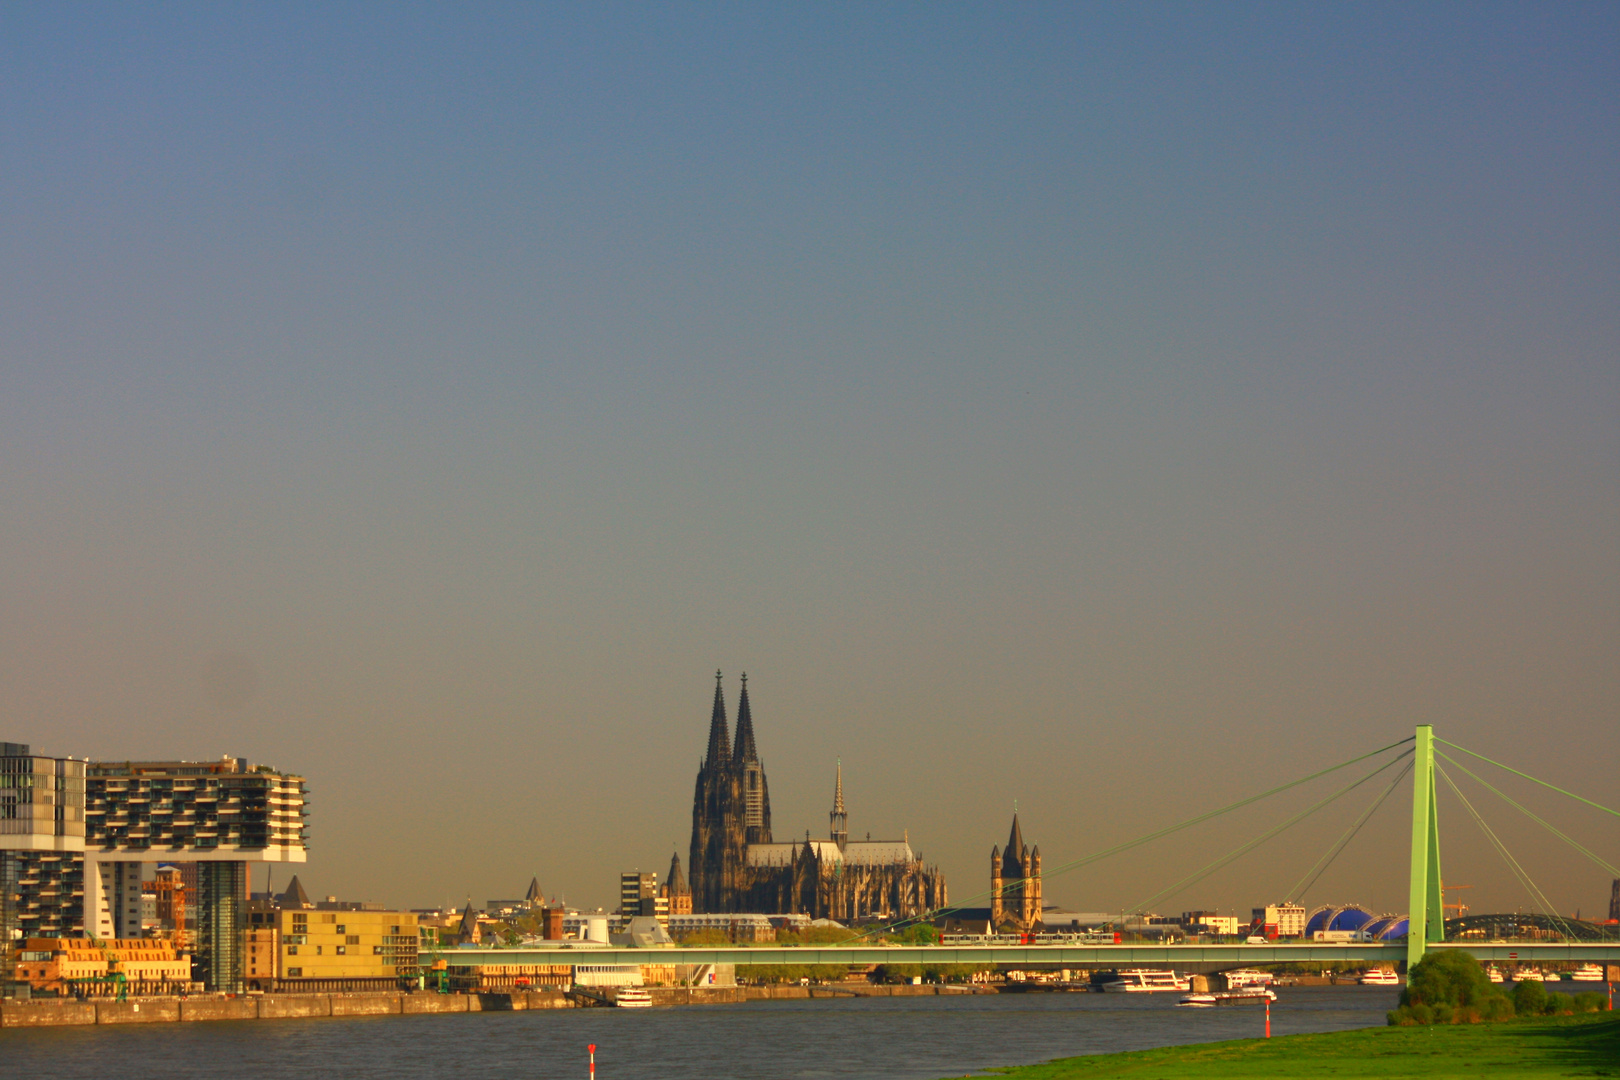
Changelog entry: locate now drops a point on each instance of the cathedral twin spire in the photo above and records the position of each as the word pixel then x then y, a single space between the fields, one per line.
pixel 721 749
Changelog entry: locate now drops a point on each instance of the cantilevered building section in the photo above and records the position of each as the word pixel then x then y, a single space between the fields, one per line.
pixel 41 846
pixel 221 815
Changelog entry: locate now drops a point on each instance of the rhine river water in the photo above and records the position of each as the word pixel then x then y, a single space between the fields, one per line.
pixel 920 1038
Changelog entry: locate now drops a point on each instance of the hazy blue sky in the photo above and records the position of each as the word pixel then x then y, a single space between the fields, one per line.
pixel 1115 408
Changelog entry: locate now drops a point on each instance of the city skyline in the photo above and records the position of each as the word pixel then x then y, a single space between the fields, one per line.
pixel 1108 409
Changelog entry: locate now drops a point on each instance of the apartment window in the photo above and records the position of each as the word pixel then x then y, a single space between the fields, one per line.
pixel 341 950
pixel 340 929
pixel 294 973
pixel 292 950
pixel 376 950
pixel 352 939
pixel 317 950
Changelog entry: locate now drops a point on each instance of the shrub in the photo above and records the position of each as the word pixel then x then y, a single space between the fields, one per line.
pixel 1450 988
pixel 1529 999
pixel 1590 1001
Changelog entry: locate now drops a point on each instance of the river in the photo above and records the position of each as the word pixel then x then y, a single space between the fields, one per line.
pixel 905 1038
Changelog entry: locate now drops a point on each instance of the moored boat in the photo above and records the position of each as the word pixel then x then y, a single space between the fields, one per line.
pixel 1587 973
pixel 1494 974
pixel 1529 975
pixel 1378 977
pixel 632 997
pixel 1146 981
pixel 1237 980
pixel 1253 995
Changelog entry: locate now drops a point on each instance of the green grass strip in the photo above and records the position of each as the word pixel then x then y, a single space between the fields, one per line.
pixel 1537 1049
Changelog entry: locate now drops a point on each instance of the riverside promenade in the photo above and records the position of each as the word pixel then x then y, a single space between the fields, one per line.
pixel 65 1013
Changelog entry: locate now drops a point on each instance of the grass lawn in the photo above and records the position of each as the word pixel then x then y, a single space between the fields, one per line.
pixel 1529 1049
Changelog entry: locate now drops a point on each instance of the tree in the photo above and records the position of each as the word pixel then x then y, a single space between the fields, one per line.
pixel 1449 987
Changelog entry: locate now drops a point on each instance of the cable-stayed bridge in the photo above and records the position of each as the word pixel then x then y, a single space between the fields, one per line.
pixel 1423 756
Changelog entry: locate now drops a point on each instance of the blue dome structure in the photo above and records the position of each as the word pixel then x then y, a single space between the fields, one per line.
pixel 1349 918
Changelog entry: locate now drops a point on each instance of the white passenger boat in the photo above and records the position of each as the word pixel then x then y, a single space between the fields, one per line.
pixel 1253 995
pixel 1529 975
pixel 1242 977
pixel 1495 975
pixel 1378 977
pixel 633 997
pixel 1587 973
pixel 1146 981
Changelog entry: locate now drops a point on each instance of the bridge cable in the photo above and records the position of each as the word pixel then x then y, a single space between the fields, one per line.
pixel 1297 893
pixel 1536 895
pixel 1063 868
pixel 1610 868
pixel 1244 849
pixel 1527 776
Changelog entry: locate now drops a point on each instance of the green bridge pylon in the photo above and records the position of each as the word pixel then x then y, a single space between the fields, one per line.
pixel 1427 916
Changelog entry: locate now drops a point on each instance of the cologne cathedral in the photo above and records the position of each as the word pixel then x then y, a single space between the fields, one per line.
pixel 735 866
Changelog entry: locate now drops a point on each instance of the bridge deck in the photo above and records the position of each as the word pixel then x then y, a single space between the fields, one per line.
pixel 1183 957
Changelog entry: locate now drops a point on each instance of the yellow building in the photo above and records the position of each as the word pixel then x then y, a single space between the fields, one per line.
pixel 293 949
pixel 91 966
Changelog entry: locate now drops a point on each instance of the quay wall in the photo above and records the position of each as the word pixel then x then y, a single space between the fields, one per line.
pixel 26 1014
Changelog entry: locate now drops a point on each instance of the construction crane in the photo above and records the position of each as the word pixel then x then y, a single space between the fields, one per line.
pixel 1458 908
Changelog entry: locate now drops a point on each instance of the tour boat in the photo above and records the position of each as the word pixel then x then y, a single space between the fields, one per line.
pixel 1378 977
pixel 632 997
pixel 1237 980
pixel 1587 973
pixel 1253 995
pixel 1495 975
pixel 1529 975
pixel 1146 981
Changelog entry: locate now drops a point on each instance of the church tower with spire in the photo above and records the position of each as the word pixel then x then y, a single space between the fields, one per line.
pixel 1015 883
pixel 719 831
pixel 745 758
pixel 676 890
pixel 839 819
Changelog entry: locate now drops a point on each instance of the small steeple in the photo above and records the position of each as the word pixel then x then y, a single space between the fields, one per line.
pixel 838 818
pixel 533 897
pixel 295 896
pixel 745 749
pixel 676 882
pixel 719 735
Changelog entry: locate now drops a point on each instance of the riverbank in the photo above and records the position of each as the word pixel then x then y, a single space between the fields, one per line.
pixel 60 1013
pixel 1523 1049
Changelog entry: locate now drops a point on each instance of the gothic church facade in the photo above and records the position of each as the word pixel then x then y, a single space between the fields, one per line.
pixel 736 866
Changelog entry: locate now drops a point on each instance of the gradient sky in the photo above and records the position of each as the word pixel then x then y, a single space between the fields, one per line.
pixel 1113 408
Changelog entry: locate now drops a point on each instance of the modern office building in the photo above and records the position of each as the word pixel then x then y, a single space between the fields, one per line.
pixel 41 849
pixel 296 949
pixel 639 895
pixel 1279 920
pixel 219 816
pixel 75 837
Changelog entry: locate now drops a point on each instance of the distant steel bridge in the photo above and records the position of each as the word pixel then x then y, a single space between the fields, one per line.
pixel 1191 958
pixel 1582 942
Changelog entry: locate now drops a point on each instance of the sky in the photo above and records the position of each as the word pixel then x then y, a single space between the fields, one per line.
pixel 1110 410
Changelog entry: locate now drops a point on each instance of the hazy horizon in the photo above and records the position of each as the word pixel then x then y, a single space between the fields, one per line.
pixel 1108 409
